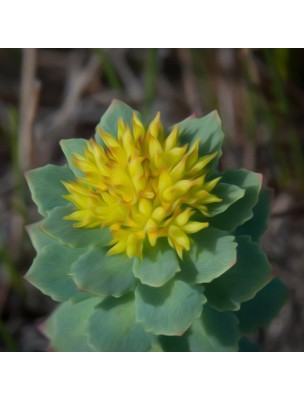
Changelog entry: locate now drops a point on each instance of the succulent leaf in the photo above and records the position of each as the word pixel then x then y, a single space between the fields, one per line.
pixel 175 343
pixel 241 283
pixel 46 187
pixel 247 346
pixel 109 121
pixel 170 309
pixel 157 267
pixel 69 148
pixel 38 237
pixel 229 195
pixel 51 269
pixel 213 253
pixel 208 129
pixel 256 226
pixel 241 211
pixel 112 327
pixel 214 331
pixel 63 231
pixel 258 312
pixel 97 273
pixel 67 326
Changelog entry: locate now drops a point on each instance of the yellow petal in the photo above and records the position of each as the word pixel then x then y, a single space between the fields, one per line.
pixel 202 162
pixel 178 171
pixel 138 128
pixel 165 180
pixel 152 236
pixel 108 139
pixel 145 207
pixel 121 129
pixel 154 126
pixel 183 217
pixel 179 237
pixel 193 227
pixel 171 140
pixel 192 154
pixel 117 248
pixel 177 190
pixel 211 184
pixel 159 214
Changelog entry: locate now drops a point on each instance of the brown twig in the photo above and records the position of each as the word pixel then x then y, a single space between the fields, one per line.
pixel 190 84
pixel 29 95
pixel 61 123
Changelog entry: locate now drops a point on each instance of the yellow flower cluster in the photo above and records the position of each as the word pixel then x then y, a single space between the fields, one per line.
pixel 142 185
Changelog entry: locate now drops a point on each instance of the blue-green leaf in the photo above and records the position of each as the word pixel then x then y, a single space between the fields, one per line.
pixel 241 283
pixel 81 296
pixel 38 237
pixel 228 193
pixel 214 331
pixel 112 327
pixel 157 267
pixel 211 255
pixel 240 211
pixel 247 346
pixel 258 312
pixel 208 129
pixel 156 347
pixel 63 231
pixel 97 273
pixel 69 148
pixel 46 187
pixel 257 225
pixel 175 343
pixel 67 326
pixel 50 271
pixel 109 120
pixel 169 310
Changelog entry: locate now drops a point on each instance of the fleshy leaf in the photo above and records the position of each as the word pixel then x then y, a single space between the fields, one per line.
pixel 208 129
pixel 97 273
pixel 168 310
pixel 212 254
pixel 156 347
pixel 112 327
pixel 240 211
pixel 50 271
pixel 258 312
pixel 257 225
pixel 214 331
pixel 67 326
pixel 175 343
pixel 246 346
pixel 241 283
pixel 63 231
pixel 229 194
pixel 69 148
pixel 46 188
pixel 81 296
pixel 157 268
pixel 38 237
pixel 109 120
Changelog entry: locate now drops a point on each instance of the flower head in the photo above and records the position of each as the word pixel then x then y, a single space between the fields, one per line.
pixel 142 185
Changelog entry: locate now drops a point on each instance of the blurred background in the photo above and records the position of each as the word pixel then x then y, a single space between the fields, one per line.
pixel 50 94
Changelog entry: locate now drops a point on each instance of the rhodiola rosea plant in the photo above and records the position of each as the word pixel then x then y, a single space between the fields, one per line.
pixel 147 244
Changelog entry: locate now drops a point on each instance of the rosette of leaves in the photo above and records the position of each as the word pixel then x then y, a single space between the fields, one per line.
pixel 147 244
